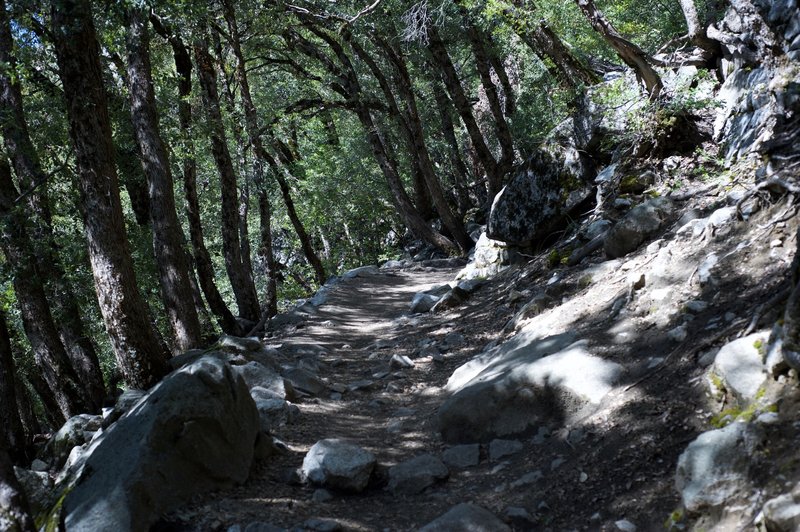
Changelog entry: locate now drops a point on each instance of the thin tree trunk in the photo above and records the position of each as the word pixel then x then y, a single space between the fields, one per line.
pixel 173 270
pixel 460 172
pixel 697 32
pixel 459 98
pixel 15 515
pixel 205 267
pixel 12 433
pixel 632 55
pixel 483 64
pixel 243 287
pixel 261 160
pixel 419 148
pixel 30 423
pixel 140 350
pixel 51 357
pixel 25 160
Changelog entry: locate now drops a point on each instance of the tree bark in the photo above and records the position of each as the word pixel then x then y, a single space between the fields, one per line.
pixel 202 258
pixel 15 516
pixel 25 160
pixel 173 270
pixel 460 173
pixel 632 55
pixel 140 350
pixel 49 353
pixel 459 98
pixel 419 148
pixel 380 150
pixel 253 131
pixel 697 33
pixel 12 433
pixel 243 287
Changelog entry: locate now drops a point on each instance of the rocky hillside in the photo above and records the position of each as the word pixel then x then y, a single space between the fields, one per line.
pixel 610 358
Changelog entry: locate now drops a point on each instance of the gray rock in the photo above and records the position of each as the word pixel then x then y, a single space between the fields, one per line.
pixel 451 299
pixel 255 374
pixel 678 334
pixel 322 525
pixel 305 381
pixel 462 456
pixel 401 362
pixel 704 269
pixel 499 448
pixel 722 216
pixel 696 306
pixel 76 431
pixel 39 466
pixel 321 495
pixel 273 410
pixel 38 489
pixel 531 204
pixel 782 514
pixel 470 285
pixel 236 343
pixel 339 464
pixel 519 518
pixel 740 366
pixel 193 433
pixel 416 474
pixel 625 526
pixel 642 222
pixel 597 228
pixel 527 479
pixel 360 272
pixel 490 257
pixel 714 467
pixel 510 387
pixel 452 340
pixel 466 516
pixel 532 308
pixel 423 302
pixel 260 526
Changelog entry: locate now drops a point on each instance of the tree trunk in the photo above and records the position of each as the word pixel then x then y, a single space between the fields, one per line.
pixel 15 515
pixel 459 98
pixel 140 350
pixel 12 433
pixel 632 55
pixel 419 148
pixel 173 270
pixel 262 158
pixel 25 160
pixel 244 289
pixel 31 426
pixel 697 33
pixel 202 258
pixel 460 173
pixel 51 357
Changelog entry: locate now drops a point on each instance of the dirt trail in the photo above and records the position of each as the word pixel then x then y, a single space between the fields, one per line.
pixel 349 340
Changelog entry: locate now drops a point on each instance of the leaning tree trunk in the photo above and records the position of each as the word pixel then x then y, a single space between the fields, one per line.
pixel 50 356
pixel 15 515
pixel 140 350
pixel 32 181
pixel 697 34
pixel 462 104
pixel 12 432
pixel 416 139
pixel 173 270
pixel 202 258
pixel 632 55
pixel 244 289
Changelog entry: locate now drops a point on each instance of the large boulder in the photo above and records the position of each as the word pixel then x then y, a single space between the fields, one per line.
pixel 77 431
pixel 464 517
pixel 524 382
pixel 714 469
pixel 194 432
pixel 489 258
pixel 339 464
pixel 642 222
pixel 535 201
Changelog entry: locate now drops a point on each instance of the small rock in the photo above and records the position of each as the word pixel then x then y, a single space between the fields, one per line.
pixel 453 339
pixel 625 525
pixel 401 361
pixel 527 479
pixel 462 456
pixel 360 385
pixel 466 516
pixel 541 435
pixel 519 518
pixel 339 464
pixel 416 474
pixel 423 302
pixel 499 448
pixel 322 525
pixel 740 366
pixel 437 357
pixel 705 268
pixel 305 381
pixel 696 306
pixel 240 344
pixel 678 334
pixel 776 243
pixel 556 463
pixel 321 495
pixel 583 477
pixel 38 466
pixel 782 514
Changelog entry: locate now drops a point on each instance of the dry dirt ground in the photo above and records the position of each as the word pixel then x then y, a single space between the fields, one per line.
pixel 617 464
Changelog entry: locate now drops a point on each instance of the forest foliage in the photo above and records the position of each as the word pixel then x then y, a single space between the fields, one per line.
pixel 256 149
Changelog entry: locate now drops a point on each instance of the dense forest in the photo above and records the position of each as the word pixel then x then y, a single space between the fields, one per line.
pixel 175 170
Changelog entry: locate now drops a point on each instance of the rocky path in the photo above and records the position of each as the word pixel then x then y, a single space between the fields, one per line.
pixel 385 408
